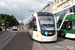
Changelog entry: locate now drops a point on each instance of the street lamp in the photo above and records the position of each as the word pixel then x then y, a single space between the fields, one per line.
pixel 22 20
pixel 31 11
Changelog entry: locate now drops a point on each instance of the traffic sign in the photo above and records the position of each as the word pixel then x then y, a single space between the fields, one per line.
pixel 2 23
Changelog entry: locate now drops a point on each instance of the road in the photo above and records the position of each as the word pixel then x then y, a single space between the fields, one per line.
pixel 5 38
pixel 20 40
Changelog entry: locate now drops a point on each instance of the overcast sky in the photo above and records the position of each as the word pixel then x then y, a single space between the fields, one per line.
pixel 16 7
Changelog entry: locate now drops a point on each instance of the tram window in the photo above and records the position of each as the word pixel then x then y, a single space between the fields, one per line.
pixel 35 28
pixel 34 25
pixel 67 10
pixel 70 9
pixel 74 8
pixel 31 25
pixel 64 25
pixel 62 13
pixel 57 14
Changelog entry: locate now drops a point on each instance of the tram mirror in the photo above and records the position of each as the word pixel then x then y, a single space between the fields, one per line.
pixel 32 14
pixel 34 17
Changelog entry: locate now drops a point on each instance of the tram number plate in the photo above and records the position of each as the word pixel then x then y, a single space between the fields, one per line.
pixel 50 33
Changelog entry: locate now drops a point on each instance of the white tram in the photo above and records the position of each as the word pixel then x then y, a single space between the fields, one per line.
pixel 43 27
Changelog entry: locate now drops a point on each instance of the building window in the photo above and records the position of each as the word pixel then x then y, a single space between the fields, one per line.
pixel 64 5
pixel 56 1
pixel 61 0
pixel 67 3
pixel 59 8
pixel 72 1
pixel 55 9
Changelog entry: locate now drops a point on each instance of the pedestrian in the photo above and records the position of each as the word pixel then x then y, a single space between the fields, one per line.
pixel 5 28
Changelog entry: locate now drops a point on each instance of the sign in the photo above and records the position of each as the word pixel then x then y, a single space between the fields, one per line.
pixel 46 33
pixel 57 18
pixel 2 23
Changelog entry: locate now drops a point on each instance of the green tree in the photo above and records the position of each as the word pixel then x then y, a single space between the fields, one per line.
pixel 8 20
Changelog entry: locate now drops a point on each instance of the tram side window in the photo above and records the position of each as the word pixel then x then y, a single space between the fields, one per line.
pixel 57 14
pixel 62 15
pixel 31 25
pixel 34 25
pixel 66 11
pixel 74 8
pixel 60 19
pixel 70 9
pixel 64 25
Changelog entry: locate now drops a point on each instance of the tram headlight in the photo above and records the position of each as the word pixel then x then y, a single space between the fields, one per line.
pixel 40 32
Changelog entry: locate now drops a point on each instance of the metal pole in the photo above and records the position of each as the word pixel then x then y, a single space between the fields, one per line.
pixel 22 17
pixel 22 20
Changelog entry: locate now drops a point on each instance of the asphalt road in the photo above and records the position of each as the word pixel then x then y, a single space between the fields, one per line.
pixel 5 38
pixel 20 40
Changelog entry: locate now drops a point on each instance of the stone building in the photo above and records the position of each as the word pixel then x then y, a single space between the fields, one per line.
pixel 61 4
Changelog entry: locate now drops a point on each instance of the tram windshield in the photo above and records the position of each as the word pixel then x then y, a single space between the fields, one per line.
pixel 46 22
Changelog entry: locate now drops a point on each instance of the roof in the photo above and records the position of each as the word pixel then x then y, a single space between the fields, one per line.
pixel 44 14
pixel 48 4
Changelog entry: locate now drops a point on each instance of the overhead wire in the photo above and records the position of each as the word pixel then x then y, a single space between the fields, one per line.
pixel 9 6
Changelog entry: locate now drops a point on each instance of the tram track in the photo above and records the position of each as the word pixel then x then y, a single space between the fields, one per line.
pixel 6 39
pixel 65 48
pixel 61 46
pixel 44 46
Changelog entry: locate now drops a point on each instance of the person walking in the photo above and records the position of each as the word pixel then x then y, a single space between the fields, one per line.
pixel 5 28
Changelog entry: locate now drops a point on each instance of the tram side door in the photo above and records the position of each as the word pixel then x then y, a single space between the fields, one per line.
pixel 34 28
pixel 31 28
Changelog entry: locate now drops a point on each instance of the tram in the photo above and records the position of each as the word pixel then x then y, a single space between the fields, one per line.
pixel 43 27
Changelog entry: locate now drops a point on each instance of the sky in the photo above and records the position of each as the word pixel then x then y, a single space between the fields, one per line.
pixel 20 8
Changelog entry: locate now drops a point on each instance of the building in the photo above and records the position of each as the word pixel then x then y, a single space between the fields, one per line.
pixel 47 7
pixel 61 4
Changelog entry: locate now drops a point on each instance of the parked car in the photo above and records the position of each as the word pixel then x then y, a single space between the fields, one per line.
pixel 0 29
pixel 14 28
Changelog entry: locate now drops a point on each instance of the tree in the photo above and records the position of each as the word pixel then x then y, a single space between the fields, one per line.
pixel 8 19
